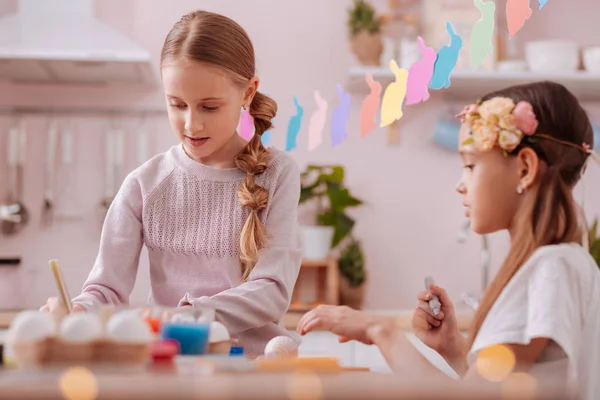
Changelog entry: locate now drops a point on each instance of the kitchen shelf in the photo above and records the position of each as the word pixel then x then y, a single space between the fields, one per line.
pixel 326 284
pixel 470 85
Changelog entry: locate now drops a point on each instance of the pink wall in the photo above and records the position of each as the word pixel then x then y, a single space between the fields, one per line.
pixel 410 223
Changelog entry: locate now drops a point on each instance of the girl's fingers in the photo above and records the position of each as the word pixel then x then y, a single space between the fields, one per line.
pixel 441 294
pixel 419 321
pixel 424 295
pixel 306 322
pixel 420 313
pixel 423 305
pixel 77 308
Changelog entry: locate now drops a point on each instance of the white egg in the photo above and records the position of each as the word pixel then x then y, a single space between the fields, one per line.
pixel 281 346
pixel 218 332
pixel 31 326
pixel 183 318
pixel 128 327
pixel 81 327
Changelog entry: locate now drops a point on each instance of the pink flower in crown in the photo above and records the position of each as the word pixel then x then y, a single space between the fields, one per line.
pixel 586 147
pixel 525 118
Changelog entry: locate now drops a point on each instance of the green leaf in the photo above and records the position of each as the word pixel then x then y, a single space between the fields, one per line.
pixel 352 263
pixel 327 218
pixel 307 193
pixel 340 197
pixel 468 141
pixel 343 226
pixel 362 17
pixel 336 175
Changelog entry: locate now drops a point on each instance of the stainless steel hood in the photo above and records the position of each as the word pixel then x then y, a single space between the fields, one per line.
pixel 61 41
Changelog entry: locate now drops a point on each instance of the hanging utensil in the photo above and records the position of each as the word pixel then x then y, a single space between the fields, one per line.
pixel 48 210
pixel 68 204
pixel 17 150
pixel 9 211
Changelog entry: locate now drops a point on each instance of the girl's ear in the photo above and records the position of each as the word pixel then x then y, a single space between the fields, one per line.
pixel 251 90
pixel 528 164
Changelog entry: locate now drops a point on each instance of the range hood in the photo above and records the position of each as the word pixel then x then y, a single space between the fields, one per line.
pixel 61 41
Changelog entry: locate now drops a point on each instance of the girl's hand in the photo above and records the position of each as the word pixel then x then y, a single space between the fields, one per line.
pixel 58 310
pixel 347 323
pixel 438 332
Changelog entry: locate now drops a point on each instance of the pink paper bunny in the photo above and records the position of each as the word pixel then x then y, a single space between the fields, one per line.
pixel 419 75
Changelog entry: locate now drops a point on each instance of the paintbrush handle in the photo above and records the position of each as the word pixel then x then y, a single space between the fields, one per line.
pixel 60 283
pixel 434 303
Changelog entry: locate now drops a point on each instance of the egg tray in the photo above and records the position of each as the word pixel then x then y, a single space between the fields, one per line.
pixel 55 351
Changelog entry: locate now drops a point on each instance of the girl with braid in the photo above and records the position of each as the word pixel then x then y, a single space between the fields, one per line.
pixel 217 214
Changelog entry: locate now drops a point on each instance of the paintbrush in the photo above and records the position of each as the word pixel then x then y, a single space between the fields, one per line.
pixel 60 283
pixel 434 303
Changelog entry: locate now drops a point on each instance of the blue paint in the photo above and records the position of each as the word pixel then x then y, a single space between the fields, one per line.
pixel 192 338
pixel 446 60
pixel 236 351
pixel 266 137
pixel 446 133
pixel 542 3
pixel 340 117
pixel 294 126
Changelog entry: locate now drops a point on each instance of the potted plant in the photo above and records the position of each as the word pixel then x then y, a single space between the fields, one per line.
pixel 594 241
pixel 353 274
pixel 365 33
pixel 325 186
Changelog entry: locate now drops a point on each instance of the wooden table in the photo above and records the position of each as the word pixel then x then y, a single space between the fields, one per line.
pixel 263 386
pixel 403 318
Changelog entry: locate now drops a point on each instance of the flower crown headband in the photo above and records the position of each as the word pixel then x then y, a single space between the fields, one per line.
pixel 499 121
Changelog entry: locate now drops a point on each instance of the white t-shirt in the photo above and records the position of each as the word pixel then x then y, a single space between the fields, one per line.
pixel 555 295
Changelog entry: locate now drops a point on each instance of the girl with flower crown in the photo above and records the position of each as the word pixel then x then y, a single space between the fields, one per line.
pixel 524 149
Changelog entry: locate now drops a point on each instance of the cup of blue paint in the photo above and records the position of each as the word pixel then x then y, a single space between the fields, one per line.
pixel 190 327
pixel 192 337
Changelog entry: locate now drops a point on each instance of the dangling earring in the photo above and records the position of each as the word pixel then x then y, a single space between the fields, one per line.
pixel 520 189
pixel 245 107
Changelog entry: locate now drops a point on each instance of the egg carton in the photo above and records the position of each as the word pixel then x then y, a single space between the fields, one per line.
pixel 56 351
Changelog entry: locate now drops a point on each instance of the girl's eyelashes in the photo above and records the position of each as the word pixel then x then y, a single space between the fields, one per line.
pixel 469 167
pixel 182 106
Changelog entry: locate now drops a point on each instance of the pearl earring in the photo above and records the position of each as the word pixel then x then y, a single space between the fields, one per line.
pixel 520 189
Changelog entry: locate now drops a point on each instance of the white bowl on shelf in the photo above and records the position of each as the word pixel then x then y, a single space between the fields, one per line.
pixel 552 55
pixel 591 59
pixel 511 66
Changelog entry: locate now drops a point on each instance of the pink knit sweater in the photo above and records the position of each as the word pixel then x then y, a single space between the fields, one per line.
pixel 189 218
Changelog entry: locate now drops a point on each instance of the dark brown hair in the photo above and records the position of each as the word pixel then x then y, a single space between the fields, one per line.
pixel 552 216
pixel 217 40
